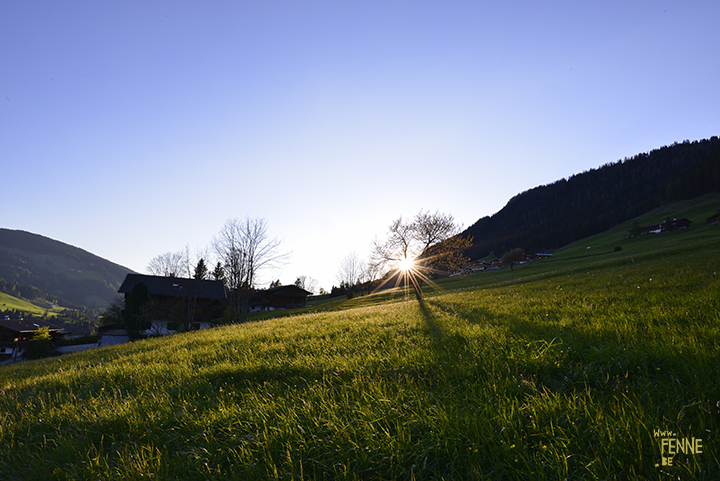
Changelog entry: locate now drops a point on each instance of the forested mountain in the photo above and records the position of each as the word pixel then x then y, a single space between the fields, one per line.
pixel 72 276
pixel 557 214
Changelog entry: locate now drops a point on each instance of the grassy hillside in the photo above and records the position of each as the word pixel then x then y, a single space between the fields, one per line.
pixel 8 303
pixel 74 322
pixel 561 369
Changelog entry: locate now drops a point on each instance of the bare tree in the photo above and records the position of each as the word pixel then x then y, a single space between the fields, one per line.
pixel 396 248
pixel 352 270
pixel 430 243
pixel 431 229
pixel 245 249
pixel 170 264
pixel 307 283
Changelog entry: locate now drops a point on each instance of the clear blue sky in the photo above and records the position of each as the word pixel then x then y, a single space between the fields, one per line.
pixel 131 129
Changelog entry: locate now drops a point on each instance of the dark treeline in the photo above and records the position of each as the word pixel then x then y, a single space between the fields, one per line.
pixel 20 290
pixel 557 214
pixel 350 290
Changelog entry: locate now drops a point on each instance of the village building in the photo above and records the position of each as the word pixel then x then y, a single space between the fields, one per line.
pixel 15 333
pixel 281 297
pixel 198 301
pixel 714 219
pixel 113 334
pixel 658 228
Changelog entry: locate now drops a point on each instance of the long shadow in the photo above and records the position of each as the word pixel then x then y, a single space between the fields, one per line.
pixel 430 322
pixel 452 358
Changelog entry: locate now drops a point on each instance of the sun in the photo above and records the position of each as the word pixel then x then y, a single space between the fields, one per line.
pixel 406 265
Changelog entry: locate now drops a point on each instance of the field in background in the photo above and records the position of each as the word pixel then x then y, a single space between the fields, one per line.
pixel 565 368
pixel 8 303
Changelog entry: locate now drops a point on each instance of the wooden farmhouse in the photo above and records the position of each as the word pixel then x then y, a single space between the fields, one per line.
pixel 661 227
pixel 199 301
pixel 282 297
pixel 715 218
pixel 15 332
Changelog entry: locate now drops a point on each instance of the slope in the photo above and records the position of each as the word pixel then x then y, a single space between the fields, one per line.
pixel 75 277
pixel 554 215
pixel 563 374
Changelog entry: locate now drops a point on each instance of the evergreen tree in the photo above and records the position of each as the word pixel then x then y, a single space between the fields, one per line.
pixel 137 307
pixel 218 273
pixel 201 270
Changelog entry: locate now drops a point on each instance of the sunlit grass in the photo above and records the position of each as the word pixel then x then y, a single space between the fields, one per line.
pixel 9 303
pixel 558 370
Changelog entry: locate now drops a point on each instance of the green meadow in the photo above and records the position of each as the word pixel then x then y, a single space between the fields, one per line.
pixel 8 303
pixel 594 364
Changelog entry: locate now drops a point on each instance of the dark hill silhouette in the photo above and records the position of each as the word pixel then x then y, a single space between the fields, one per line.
pixel 72 276
pixel 551 216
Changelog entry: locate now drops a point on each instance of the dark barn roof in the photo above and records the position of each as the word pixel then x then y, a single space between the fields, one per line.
pixel 289 290
pixel 175 286
pixel 281 297
pixel 29 325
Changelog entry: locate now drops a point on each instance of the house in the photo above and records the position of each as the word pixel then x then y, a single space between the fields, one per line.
pixel 113 334
pixel 676 224
pixel 661 227
pixel 14 332
pixel 197 300
pixel 715 218
pixel 281 297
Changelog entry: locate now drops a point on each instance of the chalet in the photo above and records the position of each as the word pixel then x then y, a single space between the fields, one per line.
pixel 714 219
pixel 676 224
pixel 661 227
pixel 282 297
pixel 199 300
pixel 13 332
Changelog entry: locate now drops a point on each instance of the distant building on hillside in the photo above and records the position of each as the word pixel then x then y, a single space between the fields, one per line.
pixel 658 228
pixel 714 219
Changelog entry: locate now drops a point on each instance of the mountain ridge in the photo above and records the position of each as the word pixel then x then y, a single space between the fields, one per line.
pixel 550 216
pixel 80 278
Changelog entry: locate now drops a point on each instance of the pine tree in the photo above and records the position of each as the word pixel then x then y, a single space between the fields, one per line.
pixel 137 305
pixel 201 270
pixel 218 273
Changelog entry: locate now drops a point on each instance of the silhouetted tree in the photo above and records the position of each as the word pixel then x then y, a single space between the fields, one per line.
pixel 137 307
pixel 352 270
pixel 246 248
pixel 513 256
pixel 169 264
pixel 201 270
pixel 218 273
pixel 429 244
pixel 307 283
pixel 113 313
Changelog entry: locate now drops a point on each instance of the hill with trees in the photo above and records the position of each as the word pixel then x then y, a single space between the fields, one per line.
pixel 554 215
pixel 34 267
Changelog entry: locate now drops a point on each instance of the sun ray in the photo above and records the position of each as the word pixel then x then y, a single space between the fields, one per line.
pixel 407 273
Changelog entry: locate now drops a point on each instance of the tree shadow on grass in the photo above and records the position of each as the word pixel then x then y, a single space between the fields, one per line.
pixel 432 400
